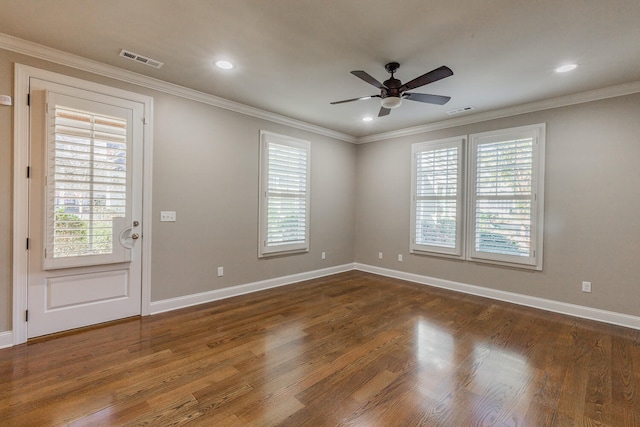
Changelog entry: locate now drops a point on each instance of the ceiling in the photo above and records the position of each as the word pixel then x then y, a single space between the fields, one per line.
pixel 293 57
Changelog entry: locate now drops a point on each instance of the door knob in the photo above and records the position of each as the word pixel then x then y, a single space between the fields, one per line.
pixel 135 236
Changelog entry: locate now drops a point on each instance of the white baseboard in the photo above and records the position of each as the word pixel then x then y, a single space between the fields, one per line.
pixel 6 339
pixel 598 315
pixel 232 291
pixel 605 316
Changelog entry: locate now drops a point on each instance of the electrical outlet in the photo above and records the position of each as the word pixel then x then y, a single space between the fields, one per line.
pixel 220 271
pixel 167 216
pixel 379 255
pixel 586 286
pixel 324 255
pixel 400 257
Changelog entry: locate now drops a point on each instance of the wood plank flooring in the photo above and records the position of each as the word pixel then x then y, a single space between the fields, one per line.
pixel 353 349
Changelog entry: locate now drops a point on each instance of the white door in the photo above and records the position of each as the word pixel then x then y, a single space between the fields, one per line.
pixel 85 208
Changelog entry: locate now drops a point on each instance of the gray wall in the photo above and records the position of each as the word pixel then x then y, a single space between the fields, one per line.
pixel 205 167
pixel 592 230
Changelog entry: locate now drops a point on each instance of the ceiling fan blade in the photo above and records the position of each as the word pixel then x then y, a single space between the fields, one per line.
pixel 367 78
pixel 430 77
pixel 384 112
pixel 362 98
pixel 429 99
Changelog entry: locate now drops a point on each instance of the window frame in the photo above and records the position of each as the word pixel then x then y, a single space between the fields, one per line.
pixel 264 249
pixel 537 133
pixel 453 142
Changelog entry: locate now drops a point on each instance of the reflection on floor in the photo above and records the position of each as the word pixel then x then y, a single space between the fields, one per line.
pixel 349 349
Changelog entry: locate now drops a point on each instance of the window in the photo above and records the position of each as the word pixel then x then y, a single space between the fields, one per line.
pixel 505 198
pixel 284 194
pixel 437 197
pixel 87 182
pixel 504 204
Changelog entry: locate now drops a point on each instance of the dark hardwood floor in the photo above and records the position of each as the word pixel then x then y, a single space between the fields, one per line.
pixel 350 349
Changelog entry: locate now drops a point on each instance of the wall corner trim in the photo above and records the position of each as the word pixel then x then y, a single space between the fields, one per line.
pixel 6 339
pixel 232 291
pixel 574 310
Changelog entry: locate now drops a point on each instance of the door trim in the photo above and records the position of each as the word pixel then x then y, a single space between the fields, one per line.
pixel 22 76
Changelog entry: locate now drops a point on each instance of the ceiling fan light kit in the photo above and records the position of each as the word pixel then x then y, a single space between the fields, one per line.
pixel 391 102
pixel 392 91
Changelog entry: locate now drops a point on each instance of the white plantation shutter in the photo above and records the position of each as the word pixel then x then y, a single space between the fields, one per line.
pixel 483 200
pixel 284 188
pixel 437 171
pixel 505 195
pixel 87 184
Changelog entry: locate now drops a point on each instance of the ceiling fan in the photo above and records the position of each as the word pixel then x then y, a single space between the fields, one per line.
pixel 392 91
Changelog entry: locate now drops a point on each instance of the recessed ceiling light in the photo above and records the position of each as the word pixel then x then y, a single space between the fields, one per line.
pixel 565 68
pixel 225 65
pixel 367 119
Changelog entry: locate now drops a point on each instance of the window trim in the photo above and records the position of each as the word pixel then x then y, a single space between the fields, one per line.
pixel 264 250
pixel 457 252
pixel 537 132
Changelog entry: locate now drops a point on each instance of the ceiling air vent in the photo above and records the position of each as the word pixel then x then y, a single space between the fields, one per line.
pixel 142 59
pixel 460 110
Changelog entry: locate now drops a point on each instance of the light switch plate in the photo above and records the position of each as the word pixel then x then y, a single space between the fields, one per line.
pixel 167 216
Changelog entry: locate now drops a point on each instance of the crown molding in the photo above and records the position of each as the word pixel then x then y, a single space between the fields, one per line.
pixel 546 104
pixel 24 47
pixel 35 50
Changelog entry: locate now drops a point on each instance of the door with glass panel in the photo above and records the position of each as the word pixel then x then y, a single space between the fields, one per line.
pixel 85 206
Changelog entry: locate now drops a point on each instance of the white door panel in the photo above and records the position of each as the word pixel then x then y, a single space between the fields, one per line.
pixel 85 208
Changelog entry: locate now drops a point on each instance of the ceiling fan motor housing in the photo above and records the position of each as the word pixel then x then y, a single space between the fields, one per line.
pixel 391 94
pixel 392 87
